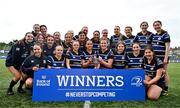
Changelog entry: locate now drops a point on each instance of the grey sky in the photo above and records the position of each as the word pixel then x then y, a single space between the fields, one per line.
pixel 18 16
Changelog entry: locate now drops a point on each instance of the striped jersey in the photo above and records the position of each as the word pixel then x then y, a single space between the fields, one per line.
pixel 115 39
pixel 96 45
pixel 66 46
pixel 108 54
pixel 151 68
pixel 158 43
pixel 134 62
pixel 128 42
pixel 119 60
pixel 75 59
pixel 86 55
pixel 143 39
pixel 57 63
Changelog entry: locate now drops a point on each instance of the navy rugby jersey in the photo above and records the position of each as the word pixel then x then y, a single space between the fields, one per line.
pixel 82 46
pixel 134 62
pixel 108 54
pixel 115 39
pixel 143 39
pixel 128 42
pixel 31 61
pixel 75 59
pixel 158 43
pixel 47 51
pixel 119 60
pixel 57 63
pixel 18 54
pixel 8 61
pixel 151 68
pixel 85 56
pixel 66 46
pixel 96 45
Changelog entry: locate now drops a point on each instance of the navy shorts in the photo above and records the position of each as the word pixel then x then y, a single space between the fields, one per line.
pixel 161 82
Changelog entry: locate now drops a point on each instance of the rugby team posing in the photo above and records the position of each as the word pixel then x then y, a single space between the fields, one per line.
pixel 146 50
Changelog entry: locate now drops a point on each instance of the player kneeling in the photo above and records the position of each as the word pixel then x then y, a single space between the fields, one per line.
pixel 154 80
pixel 32 64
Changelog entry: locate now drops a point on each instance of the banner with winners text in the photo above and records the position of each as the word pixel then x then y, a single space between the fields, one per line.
pixel 88 84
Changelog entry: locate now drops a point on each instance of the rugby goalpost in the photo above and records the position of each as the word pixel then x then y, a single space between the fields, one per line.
pixel 87 104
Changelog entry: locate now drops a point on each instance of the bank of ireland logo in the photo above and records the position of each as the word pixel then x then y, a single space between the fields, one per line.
pixel 136 81
pixel 43 81
pixel 43 77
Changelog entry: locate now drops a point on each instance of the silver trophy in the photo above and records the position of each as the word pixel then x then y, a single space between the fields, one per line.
pixel 95 60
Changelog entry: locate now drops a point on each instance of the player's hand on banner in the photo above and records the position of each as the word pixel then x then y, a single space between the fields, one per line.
pixel 146 82
pixel 35 68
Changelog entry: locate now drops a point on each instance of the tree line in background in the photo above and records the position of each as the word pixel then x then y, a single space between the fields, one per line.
pixel 7 46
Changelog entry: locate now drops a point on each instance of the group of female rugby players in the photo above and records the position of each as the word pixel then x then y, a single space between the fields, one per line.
pixel 146 50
